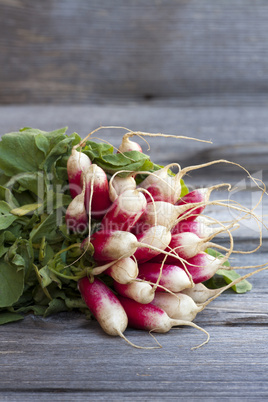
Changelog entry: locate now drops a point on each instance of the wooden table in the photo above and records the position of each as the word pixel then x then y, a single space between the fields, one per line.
pixel 66 357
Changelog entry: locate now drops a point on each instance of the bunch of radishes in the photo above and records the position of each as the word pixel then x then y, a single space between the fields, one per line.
pixel 151 242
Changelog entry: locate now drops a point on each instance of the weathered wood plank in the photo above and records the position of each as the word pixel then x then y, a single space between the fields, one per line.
pixel 77 356
pixel 234 131
pixel 73 52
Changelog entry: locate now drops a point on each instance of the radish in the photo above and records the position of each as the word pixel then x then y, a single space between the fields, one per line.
pixel 199 195
pixel 200 267
pixel 96 177
pixel 125 211
pixel 127 145
pixel 123 271
pixel 201 226
pixel 165 187
pixel 104 305
pixel 187 245
pixel 200 293
pixel 173 277
pixel 140 291
pixel 164 213
pixel 157 238
pixel 76 215
pixel 114 245
pixel 78 162
pixel 118 185
pixel 182 306
pixel 203 266
pixel 152 318
pixel 178 305
pixel 162 185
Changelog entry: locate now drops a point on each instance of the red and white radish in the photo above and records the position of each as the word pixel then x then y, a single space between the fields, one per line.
pixel 152 318
pixel 78 162
pixel 162 185
pixel 128 145
pixel 200 293
pixel 114 245
pixel 203 296
pixel 104 305
pixel 125 211
pixel 117 185
pixel 187 245
pixel 178 305
pixel 123 271
pixel 140 291
pixel 157 238
pixel 201 227
pixel 76 215
pixel 199 195
pixel 164 213
pixel 173 277
pixel 96 179
pixel 203 266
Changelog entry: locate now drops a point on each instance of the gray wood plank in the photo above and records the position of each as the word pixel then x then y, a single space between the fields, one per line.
pixel 234 131
pixel 73 52
pixel 76 356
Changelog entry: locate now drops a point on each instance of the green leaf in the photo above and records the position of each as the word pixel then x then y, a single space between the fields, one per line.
pixel 6 317
pixel 19 153
pixel 57 200
pixel 6 218
pixel 97 150
pixel 25 209
pixel 61 148
pixel 47 277
pixel 6 237
pixel 11 284
pixel 21 255
pixel 24 151
pixel 3 248
pixel 27 181
pixel 103 156
pixel 228 276
pixel 36 309
pixel 184 189
pixel 48 228
pixel 55 306
pixel 132 161
pixel 42 143
pixel 7 196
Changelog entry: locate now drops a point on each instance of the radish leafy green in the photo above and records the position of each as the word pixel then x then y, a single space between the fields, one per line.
pixel 38 257
pixel 36 251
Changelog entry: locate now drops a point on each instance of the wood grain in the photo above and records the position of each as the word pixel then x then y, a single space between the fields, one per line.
pixel 234 131
pixel 87 51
